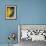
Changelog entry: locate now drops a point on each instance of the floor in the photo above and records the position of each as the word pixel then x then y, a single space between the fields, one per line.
pixel 27 43
pixel 30 43
pixel 7 45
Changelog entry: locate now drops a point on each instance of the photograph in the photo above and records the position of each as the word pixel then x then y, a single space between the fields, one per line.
pixel 10 12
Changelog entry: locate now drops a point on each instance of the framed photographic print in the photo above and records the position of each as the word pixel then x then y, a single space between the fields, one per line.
pixel 10 12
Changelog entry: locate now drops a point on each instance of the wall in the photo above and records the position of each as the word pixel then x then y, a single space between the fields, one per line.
pixel 33 12
pixel 28 12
